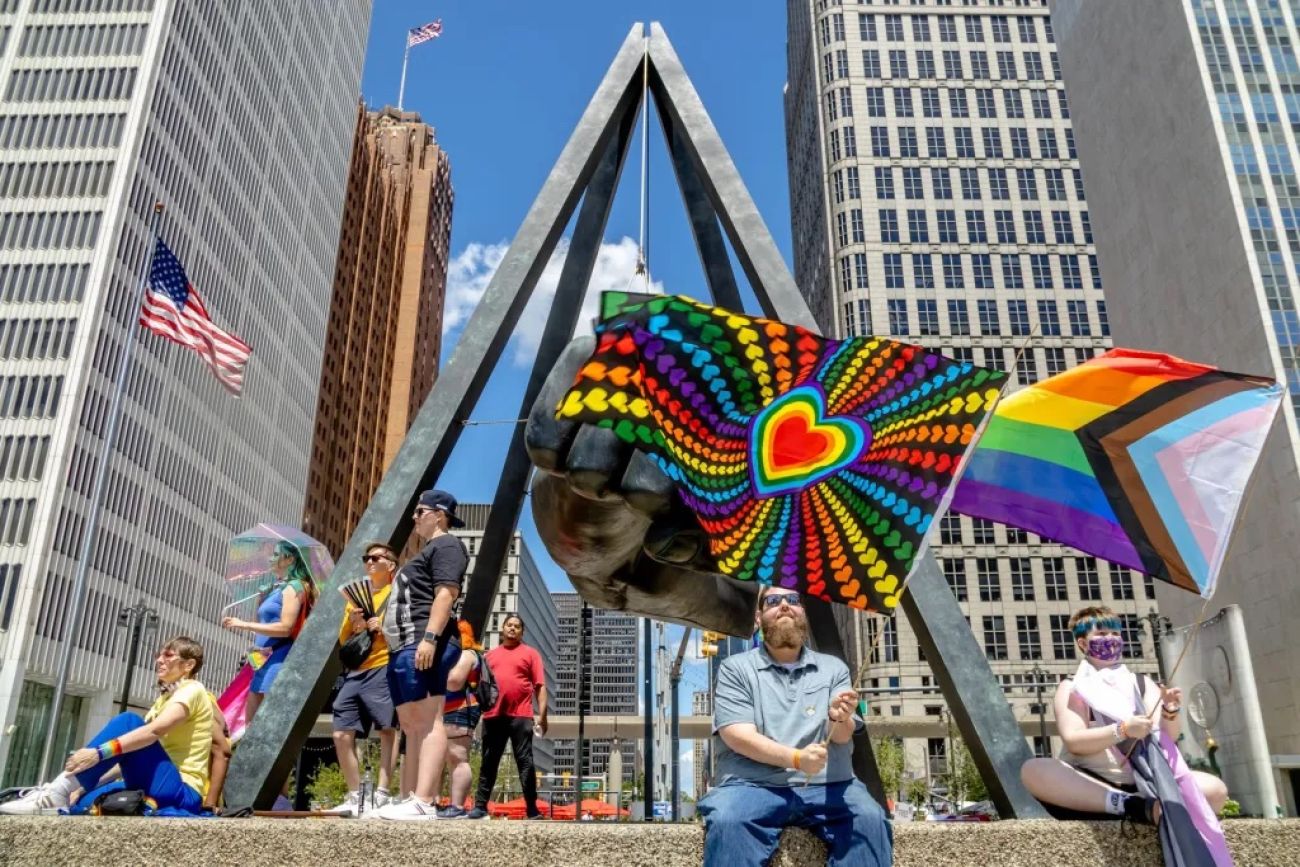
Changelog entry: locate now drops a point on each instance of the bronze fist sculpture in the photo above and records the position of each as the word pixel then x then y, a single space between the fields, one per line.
pixel 613 521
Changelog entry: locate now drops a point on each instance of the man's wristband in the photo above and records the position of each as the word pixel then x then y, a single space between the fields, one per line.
pixel 794 759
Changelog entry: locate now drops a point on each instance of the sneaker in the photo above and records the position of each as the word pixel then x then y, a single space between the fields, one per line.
pixel 537 816
pixel 380 798
pixel 35 802
pixel 477 813
pixel 452 812
pixel 351 806
pixel 410 810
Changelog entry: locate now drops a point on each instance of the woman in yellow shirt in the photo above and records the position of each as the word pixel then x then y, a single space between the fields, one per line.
pixel 165 754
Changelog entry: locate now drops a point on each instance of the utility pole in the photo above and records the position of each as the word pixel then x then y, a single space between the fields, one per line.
pixel 1160 626
pixel 675 678
pixel 136 618
pixel 648 751
pixel 1040 675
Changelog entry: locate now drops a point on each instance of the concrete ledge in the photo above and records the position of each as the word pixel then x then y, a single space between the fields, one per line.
pixel 341 842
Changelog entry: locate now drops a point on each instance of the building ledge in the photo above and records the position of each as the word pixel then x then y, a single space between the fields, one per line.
pixel 340 842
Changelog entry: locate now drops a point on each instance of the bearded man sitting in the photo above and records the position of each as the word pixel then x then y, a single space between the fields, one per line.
pixel 783 723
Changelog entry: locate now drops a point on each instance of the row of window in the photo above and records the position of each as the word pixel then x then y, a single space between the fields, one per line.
pixel 49 230
pixel 855 273
pixel 954 65
pixel 43 283
pixel 1007 228
pixel 91 6
pixel 16 520
pixel 1063 646
pixel 941 28
pixel 36 339
pixel 75 85
pixel 55 179
pixel 840 104
pixel 989 571
pixel 22 458
pixel 1049 324
pixel 22 132
pixel 30 396
pixel 997 181
pixel 10 577
pixel 83 40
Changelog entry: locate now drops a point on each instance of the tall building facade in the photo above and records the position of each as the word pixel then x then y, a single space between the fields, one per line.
pixel 937 198
pixel 521 590
pixel 236 117
pixel 1189 117
pixel 385 326
pixel 701 705
pixel 611 668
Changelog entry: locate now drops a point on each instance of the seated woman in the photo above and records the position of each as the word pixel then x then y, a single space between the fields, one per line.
pixel 165 755
pixel 460 717
pixel 1103 715
pixel 280 615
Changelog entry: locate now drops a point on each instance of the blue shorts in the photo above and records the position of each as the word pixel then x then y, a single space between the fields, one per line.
pixel 407 684
pixel 364 702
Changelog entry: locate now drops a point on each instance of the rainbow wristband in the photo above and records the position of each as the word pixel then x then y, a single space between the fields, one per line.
pixel 110 749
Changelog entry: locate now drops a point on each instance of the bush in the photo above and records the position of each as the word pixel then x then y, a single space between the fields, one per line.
pixel 1231 809
pixel 327 787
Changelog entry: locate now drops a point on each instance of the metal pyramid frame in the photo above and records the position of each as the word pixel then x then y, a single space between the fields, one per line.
pixel 716 201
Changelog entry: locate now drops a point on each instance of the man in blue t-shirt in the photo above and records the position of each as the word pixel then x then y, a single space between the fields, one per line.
pixel 423 645
pixel 783 722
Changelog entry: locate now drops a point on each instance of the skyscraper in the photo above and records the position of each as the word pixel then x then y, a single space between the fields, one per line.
pixel 521 590
pixel 236 117
pixel 612 678
pixel 1188 118
pixel 385 325
pixel 936 197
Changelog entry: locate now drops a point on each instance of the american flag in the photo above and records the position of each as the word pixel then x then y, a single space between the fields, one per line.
pixel 424 33
pixel 173 309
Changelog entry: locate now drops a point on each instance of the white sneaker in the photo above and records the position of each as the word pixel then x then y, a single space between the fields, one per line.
pixel 410 810
pixel 351 806
pixel 35 802
pixel 380 798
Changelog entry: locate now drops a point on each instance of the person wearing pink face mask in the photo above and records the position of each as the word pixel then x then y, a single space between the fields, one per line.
pixel 1117 759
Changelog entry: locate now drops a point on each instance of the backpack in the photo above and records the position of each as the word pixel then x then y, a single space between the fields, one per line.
pixel 486 693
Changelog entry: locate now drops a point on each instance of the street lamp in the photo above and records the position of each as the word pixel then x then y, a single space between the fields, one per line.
pixel 136 619
pixel 1040 675
pixel 1160 626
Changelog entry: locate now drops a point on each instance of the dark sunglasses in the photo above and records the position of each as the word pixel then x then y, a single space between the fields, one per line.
pixel 421 510
pixel 375 558
pixel 772 600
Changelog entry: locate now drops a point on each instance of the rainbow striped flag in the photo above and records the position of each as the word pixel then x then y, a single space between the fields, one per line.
pixel 1139 458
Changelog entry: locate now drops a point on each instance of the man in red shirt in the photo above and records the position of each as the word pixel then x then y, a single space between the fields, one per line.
pixel 518 671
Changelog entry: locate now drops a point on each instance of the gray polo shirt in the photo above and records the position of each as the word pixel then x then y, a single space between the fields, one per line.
pixel 788 705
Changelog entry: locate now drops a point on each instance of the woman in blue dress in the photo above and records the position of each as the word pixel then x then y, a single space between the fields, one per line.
pixel 280 614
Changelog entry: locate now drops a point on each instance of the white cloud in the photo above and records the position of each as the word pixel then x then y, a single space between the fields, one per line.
pixel 471 270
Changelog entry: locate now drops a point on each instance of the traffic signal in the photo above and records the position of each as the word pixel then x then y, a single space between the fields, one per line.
pixel 709 643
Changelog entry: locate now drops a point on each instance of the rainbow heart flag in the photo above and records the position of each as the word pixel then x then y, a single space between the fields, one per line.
pixel 1139 458
pixel 812 464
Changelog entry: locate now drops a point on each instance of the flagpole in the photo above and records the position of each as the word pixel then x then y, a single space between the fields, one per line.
pixel 73 624
pixel 401 88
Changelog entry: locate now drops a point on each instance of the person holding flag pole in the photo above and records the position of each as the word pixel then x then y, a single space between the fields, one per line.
pixel 170 307
pixel 415 36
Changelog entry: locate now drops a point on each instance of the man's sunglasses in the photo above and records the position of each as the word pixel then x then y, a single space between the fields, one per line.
pixel 772 600
pixel 421 510
pixel 375 558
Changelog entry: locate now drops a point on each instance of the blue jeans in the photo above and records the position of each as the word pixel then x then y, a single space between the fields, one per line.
pixel 149 769
pixel 743 823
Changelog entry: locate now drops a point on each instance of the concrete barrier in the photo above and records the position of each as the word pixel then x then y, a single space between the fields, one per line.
pixel 50 840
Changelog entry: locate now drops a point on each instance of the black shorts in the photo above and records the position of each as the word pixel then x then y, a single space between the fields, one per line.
pixel 363 701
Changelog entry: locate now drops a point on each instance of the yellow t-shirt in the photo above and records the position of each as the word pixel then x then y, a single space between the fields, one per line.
pixel 188 744
pixel 379 647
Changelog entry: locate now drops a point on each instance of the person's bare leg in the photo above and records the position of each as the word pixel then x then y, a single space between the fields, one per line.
pixel 345 747
pixel 387 758
pixel 414 725
pixel 433 751
pixel 1214 789
pixel 251 705
pixel 1055 782
pixel 462 775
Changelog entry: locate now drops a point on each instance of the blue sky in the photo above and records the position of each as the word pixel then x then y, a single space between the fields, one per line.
pixel 503 88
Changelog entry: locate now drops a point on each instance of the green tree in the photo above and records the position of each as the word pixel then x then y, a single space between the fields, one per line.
pixel 965 782
pixel 889 761
pixel 327 787
pixel 917 792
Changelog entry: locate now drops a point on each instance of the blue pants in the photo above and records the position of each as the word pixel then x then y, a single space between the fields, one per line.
pixel 743 823
pixel 149 769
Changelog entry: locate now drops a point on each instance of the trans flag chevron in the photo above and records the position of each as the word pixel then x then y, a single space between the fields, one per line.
pixel 812 464
pixel 1139 458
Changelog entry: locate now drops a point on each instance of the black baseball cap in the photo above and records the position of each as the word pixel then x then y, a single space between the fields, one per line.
pixel 442 501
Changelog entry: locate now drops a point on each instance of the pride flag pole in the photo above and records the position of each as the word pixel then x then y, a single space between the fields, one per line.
pixel 401 88
pixel 72 626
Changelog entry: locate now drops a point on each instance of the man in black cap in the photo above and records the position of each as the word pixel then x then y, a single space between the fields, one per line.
pixel 423 645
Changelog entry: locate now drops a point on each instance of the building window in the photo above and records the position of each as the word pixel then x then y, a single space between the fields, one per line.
pixel 998 187
pixel 1022 580
pixel 898 63
pixel 1031 646
pixel 894 28
pixel 1131 632
pixel 1018 313
pixel 982 265
pixel 1063 227
pixel 1004 223
pixel 907 144
pixel 976 231
pixel 1077 311
pixel 1028 33
pixel 953 278
pixel 894 277
pixel 857 233
pixel 921 28
pixel 912 187
pixel 941 181
pixel 987 309
pixel 986 104
pixel 930 106
pixel 958 316
pixel 898 317
pixel 1071 276
pixel 935 143
pixel 860 271
pixel 1062 637
pixel 867 27
pixel 922 271
pixel 1049 321
pixel 1042 747
pixel 992 142
pixel 1033 66
pixel 946 220
pixel 1055 358
pixel 1041 102
pixel 1012 277
pixel 950 530
pixel 927 317
pixel 889 226
pixel 936 753
pixel 1121 583
pixel 957 105
pixel 1089 582
pixel 875 102
pixel 1054 579
pixel 1034 232
pixel 1047 146
pixel 952 66
pixel 884 182
pixel 880 141
pixel 871 63
pixel 1011 104
pixel 1007 65
pixel 1102 319
pixel 947 28
pixel 964 141
pixel 995 637
pixel 918 229
pixel 986 574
